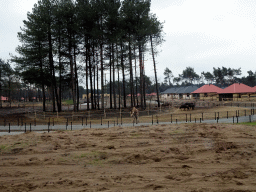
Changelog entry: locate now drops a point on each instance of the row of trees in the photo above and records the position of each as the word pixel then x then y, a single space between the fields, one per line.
pixel 14 89
pixel 63 40
pixel 221 76
pixel 6 74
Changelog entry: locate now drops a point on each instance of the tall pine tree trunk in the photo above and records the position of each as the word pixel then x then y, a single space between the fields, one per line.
pixel 98 102
pixel 118 79
pixel 60 76
pixel 119 89
pixel 102 66
pixel 141 77
pixel 76 82
pixel 86 75
pixel 136 77
pixel 110 74
pixel 94 86
pixel 72 74
pixel 114 87
pixel 153 56
pixel 53 80
pixel 91 82
pixel 144 84
pixel 94 76
pixel 41 76
pixel 122 65
pixel 102 76
pixel 60 69
pixel 43 88
pixel 131 73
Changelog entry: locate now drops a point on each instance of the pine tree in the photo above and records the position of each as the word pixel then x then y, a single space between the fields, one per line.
pixel 32 62
pixel 156 34
pixel 6 75
pixel 61 34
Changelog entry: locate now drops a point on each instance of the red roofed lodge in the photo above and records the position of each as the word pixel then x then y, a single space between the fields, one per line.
pixel 207 92
pixel 234 92
pixel 237 92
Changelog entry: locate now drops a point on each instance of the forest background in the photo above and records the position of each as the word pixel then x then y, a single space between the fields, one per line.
pixel 70 48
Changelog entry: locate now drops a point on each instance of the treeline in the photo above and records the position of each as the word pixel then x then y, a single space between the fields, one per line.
pixel 12 88
pixel 221 76
pixel 65 41
pixel 6 80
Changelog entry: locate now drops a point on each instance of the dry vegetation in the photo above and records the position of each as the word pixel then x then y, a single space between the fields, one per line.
pixel 183 157
pixel 186 157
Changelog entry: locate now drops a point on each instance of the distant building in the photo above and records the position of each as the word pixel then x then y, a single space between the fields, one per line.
pixel 179 92
pixel 4 98
pixel 237 91
pixel 234 92
pixel 207 92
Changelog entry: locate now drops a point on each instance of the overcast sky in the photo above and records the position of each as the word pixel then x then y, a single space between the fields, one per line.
pixel 201 34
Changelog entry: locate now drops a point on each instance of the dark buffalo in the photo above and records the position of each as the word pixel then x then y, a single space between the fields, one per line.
pixel 191 105
pixel 184 106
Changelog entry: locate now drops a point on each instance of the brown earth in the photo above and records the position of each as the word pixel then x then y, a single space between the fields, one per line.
pixel 186 157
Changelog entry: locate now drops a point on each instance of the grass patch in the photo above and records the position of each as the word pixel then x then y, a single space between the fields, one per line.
pixel 249 123
pixel 5 148
pixel 68 102
pixel 93 158
pixel 176 132
pixel 10 148
pixel 20 144
pixel 82 155
pixel 135 135
pixel 62 160
pixel 92 155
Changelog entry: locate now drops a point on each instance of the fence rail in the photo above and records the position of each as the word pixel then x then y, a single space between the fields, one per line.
pixel 51 121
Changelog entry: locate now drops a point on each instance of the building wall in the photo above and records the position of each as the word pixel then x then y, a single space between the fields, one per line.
pixel 208 97
pixel 252 97
pixel 187 96
pixel 170 96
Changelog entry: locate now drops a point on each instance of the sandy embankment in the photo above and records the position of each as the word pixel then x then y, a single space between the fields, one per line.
pixel 189 157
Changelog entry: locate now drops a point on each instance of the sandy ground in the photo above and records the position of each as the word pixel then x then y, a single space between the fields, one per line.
pixel 186 157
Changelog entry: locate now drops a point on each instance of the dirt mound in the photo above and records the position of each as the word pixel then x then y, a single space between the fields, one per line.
pixel 158 158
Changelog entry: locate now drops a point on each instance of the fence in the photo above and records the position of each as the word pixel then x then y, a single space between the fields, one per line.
pixel 69 120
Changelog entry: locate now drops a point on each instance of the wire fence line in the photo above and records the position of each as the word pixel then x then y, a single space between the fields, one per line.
pixel 9 129
pixel 92 121
pixel 164 114
pixel 24 119
pixel 31 106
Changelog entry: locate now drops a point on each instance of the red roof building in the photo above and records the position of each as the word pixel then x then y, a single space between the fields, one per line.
pixel 210 88
pixel 138 95
pixel 152 94
pixel 4 98
pixel 237 88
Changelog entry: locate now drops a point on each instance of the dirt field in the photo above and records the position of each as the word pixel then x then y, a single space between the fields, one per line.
pixel 187 157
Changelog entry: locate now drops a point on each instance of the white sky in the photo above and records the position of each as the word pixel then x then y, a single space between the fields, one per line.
pixel 201 34
pixel 204 34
